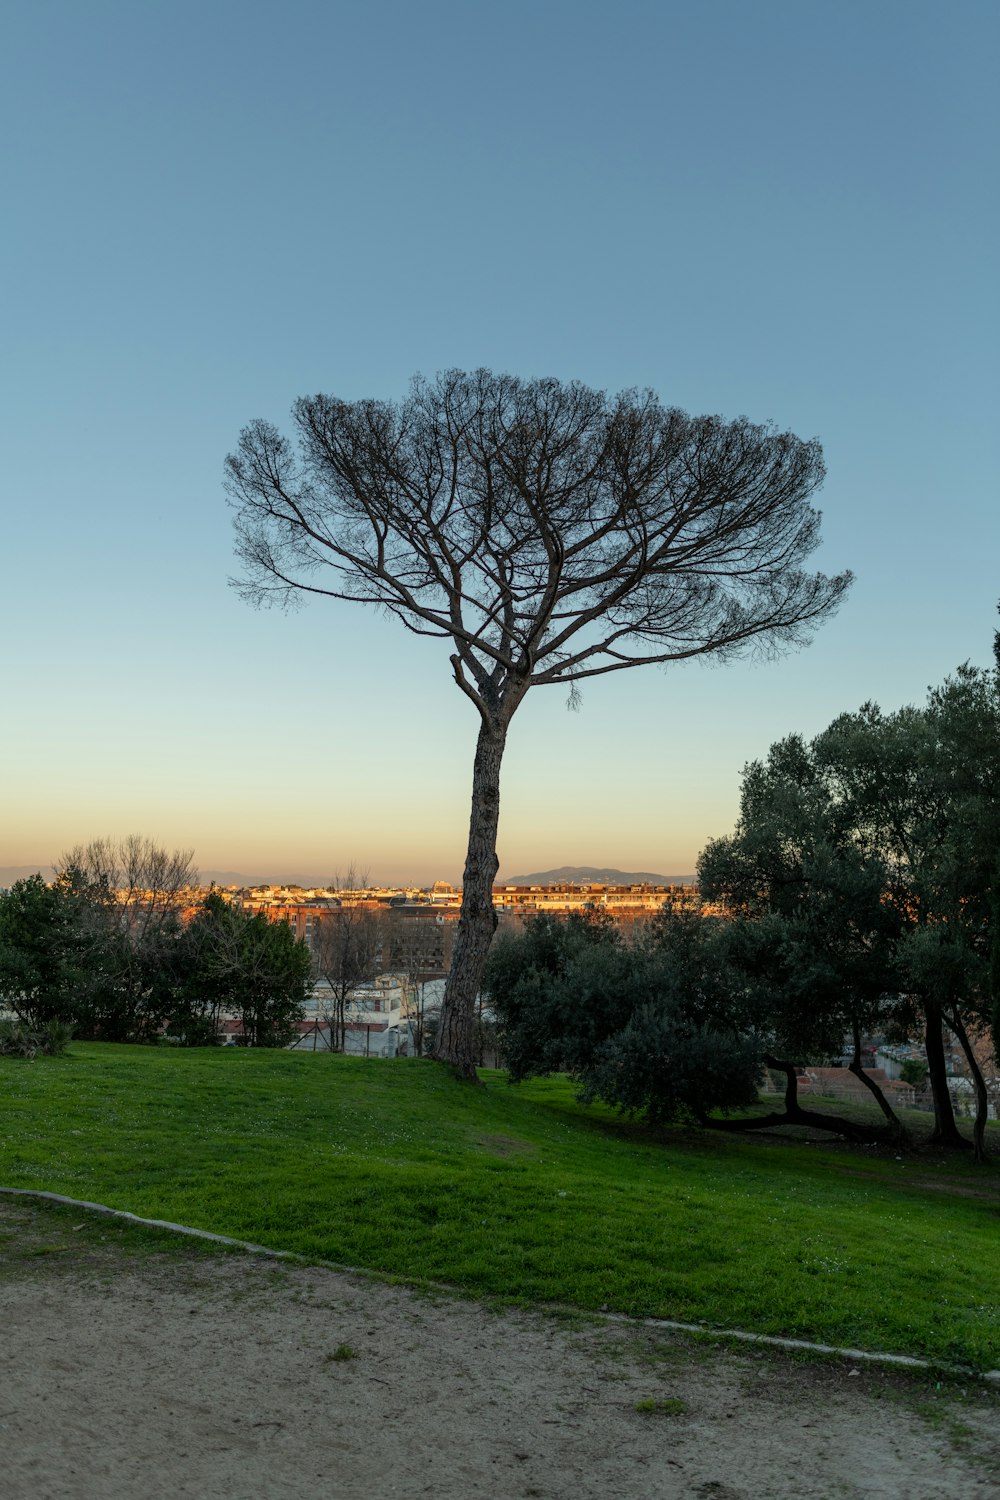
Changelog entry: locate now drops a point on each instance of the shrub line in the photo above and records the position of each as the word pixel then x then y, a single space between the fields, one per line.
pixel 773 1341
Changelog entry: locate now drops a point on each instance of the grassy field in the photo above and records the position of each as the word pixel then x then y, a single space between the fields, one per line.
pixel 519 1193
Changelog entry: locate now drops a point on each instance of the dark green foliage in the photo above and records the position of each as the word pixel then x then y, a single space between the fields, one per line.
pixel 76 953
pixel 667 1065
pixel 132 895
pixel 232 961
pixel 654 1028
pixel 71 952
pixel 558 990
pixel 132 976
pixel 914 1072
pixel 921 788
pixel 862 876
pixel 811 930
pixel 44 945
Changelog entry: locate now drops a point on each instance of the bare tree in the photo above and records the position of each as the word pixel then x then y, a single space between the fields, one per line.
pixel 550 534
pixel 419 948
pixel 147 880
pixel 346 951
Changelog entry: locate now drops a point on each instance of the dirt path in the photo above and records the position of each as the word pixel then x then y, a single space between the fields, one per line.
pixel 131 1374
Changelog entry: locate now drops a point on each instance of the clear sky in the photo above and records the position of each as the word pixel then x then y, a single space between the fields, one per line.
pixel 782 208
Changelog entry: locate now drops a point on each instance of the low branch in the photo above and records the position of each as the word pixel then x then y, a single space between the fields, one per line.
pixel 794 1114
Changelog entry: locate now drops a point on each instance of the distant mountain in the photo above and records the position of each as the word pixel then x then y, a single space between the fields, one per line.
pixel 590 875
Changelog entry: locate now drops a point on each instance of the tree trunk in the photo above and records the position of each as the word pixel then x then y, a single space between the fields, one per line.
pixel 994 969
pixel 854 1066
pixel 455 1042
pixel 794 1114
pixel 979 1083
pixel 946 1132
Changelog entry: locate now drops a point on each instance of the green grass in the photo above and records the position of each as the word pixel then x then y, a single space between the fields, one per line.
pixel 661 1406
pixel 520 1194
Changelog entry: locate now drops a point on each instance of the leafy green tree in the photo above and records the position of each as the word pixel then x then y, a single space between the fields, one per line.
pixel 235 962
pixel 863 876
pixel 965 716
pixel 43 950
pixel 882 768
pixel 812 930
pixel 921 790
pixel 69 952
pixel 652 1028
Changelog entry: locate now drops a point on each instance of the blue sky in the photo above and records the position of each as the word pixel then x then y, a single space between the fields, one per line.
pixel 785 209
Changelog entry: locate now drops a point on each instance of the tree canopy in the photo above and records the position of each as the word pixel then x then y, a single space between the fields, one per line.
pixel 550 534
pixel 867 863
pixel 43 949
pixel 118 962
pixel 921 788
pixel 859 896
pixel 655 1027
pixel 241 963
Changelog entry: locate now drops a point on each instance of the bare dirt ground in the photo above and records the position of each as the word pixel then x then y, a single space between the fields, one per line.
pixel 132 1372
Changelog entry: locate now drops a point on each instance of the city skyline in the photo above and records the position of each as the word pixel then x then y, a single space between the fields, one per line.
pixel 239 879
pixel 220 212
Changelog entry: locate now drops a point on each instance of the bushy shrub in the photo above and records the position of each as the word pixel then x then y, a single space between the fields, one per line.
pixel 232 962
pixel 916 1072
pixel 666 1066
pixel 658 1028
pixel 19 1040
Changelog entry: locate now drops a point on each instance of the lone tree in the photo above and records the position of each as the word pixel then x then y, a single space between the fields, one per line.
pixel 550 534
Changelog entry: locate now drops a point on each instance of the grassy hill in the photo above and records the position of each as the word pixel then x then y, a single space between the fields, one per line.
pixel 519 1193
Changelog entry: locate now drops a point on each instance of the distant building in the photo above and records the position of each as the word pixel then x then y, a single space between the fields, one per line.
pixel 424 908
pixel 624 904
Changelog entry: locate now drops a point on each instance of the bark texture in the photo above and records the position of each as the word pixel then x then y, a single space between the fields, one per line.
pixel 455 1042
pixel 946 1131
